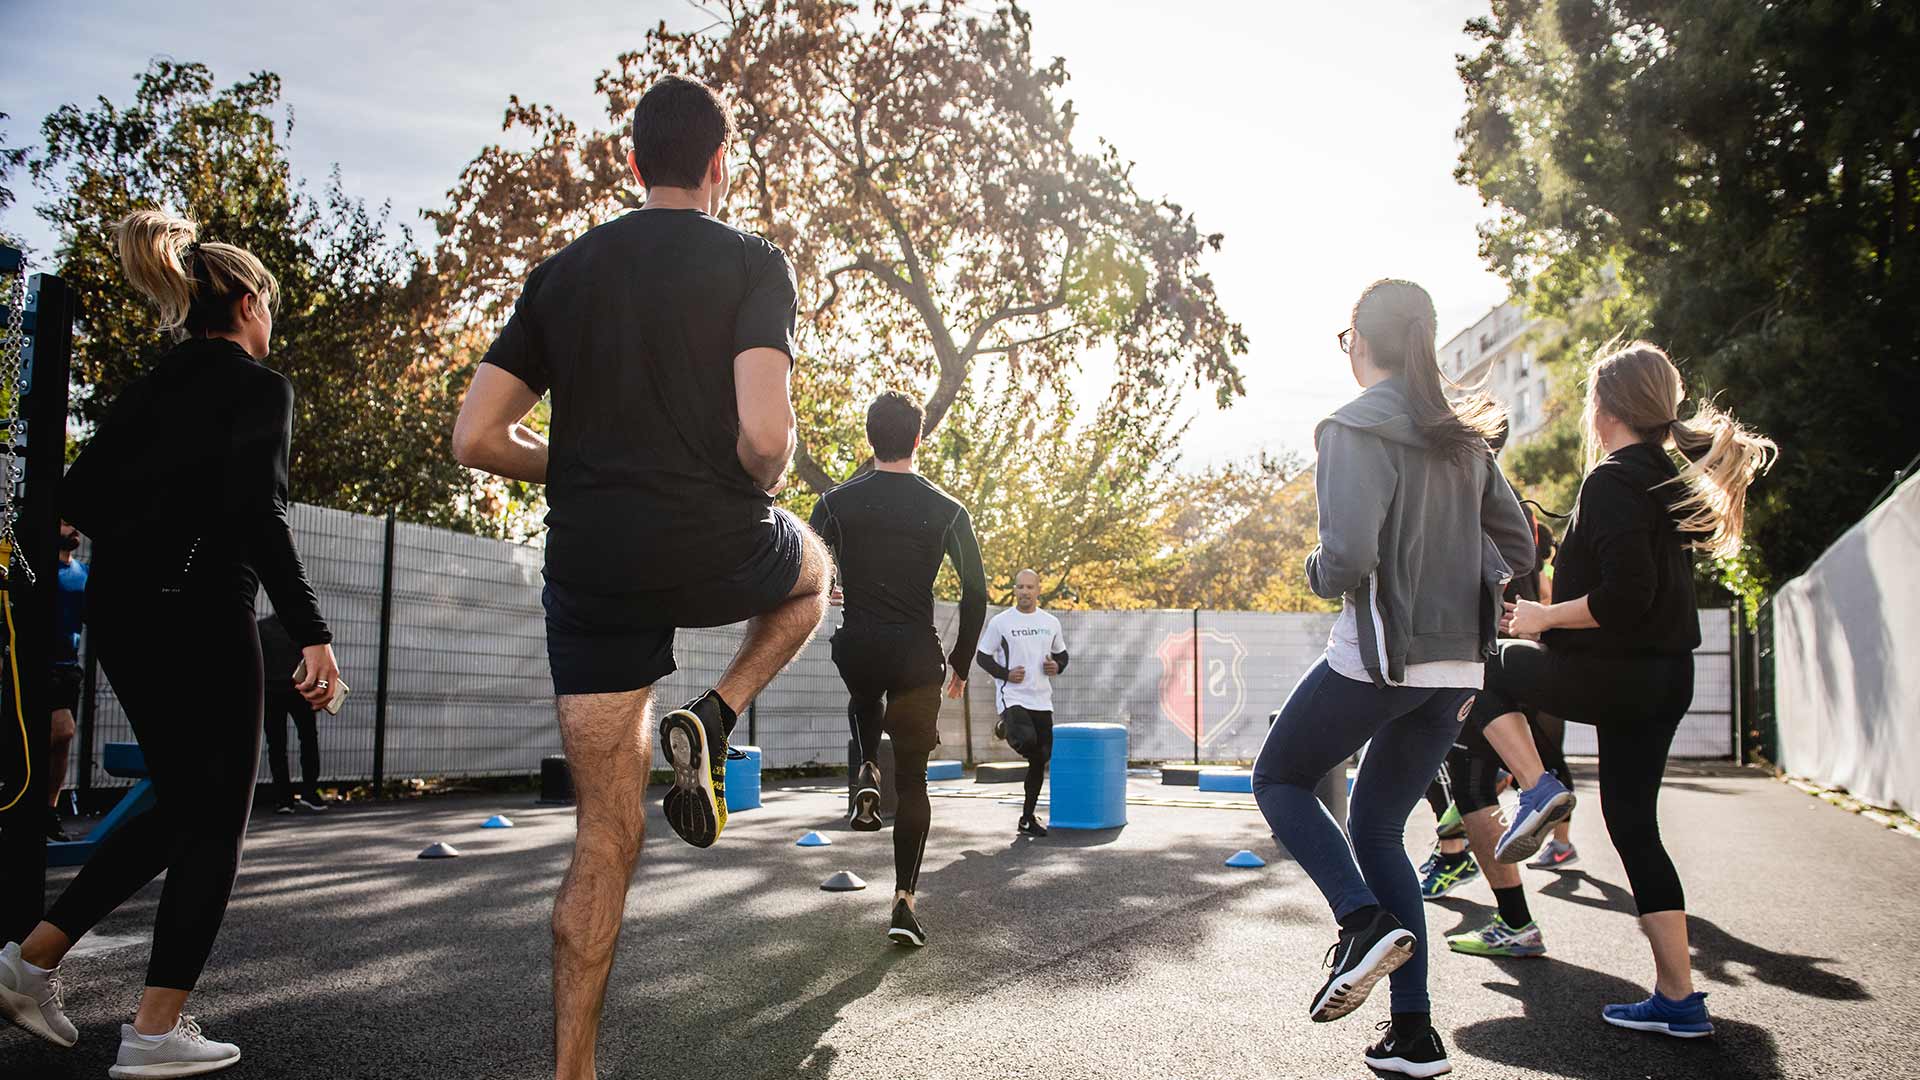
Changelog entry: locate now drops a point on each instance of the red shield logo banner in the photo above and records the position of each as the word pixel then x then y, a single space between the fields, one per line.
pixel 1222 689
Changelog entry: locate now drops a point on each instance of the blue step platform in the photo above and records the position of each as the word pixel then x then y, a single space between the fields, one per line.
pixel 1226 780
pixel 122 759
pixel 944 770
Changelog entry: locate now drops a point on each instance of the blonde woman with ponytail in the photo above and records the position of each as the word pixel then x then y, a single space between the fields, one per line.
pixel 1615 649
pixel 1418 533
pixel 184 491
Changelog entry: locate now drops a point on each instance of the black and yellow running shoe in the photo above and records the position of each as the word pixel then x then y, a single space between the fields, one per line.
pixel 694 738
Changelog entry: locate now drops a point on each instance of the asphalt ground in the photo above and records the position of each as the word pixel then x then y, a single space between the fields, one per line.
pixel 1128 953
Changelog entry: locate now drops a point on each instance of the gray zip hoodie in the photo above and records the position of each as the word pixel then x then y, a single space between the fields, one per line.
pixel 1418 545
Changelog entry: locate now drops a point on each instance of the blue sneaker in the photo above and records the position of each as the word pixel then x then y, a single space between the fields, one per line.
pixel 1541 806
pixel 1683 1019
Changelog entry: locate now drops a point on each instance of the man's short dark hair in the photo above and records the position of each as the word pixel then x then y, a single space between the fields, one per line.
pixel 677 126
pixel 893 423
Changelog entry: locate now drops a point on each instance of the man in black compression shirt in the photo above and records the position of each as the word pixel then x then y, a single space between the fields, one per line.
pixel 889 530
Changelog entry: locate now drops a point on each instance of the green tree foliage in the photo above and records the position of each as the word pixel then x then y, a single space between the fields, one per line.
pixel 374 404
pixel 916 161
pixel 1235 538
pixel 1750 169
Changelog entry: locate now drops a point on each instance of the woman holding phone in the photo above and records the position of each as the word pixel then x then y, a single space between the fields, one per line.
pixel 184 491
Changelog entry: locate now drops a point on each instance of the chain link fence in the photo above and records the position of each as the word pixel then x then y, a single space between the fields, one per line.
pixel 467 693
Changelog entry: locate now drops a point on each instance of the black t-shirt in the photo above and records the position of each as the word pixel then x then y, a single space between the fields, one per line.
pixel 889 532
pixel 634 328
pixel 1624 553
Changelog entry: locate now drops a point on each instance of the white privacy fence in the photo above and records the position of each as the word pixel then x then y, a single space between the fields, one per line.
pixel 468 694
pixel 1846 656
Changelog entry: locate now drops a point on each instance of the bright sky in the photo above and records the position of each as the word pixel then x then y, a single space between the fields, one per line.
pixel 1317 137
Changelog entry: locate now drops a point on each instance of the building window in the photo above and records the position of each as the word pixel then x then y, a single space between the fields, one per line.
pixel 1459 361
pixel 1520 411
pixel 1526 364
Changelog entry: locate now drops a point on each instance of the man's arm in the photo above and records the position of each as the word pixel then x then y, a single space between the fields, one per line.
pixel 964 549
pixel 489 435
pixel 762 388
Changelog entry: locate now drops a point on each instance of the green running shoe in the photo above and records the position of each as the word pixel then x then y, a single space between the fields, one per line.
pixel 1498 939
pixel 1447 873
pixel 1451 827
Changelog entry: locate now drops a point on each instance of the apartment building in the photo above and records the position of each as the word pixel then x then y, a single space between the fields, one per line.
pixel 1500 352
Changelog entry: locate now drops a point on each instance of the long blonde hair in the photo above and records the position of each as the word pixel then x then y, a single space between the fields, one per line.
pixel 1397 319
pixel 192 285
pixel 1638 385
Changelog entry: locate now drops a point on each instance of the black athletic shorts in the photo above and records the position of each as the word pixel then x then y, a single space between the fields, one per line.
pixel 64 688
pixel 608 643
pixel 905 666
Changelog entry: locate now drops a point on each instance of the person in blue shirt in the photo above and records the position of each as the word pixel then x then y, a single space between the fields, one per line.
pixel 69 604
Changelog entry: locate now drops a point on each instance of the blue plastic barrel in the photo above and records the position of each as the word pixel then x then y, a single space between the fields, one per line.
pixel 1089 776
pixel 743 780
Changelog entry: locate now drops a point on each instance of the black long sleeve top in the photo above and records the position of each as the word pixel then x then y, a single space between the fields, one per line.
pixel 185 484
pixel 1625 553
pixel 889 533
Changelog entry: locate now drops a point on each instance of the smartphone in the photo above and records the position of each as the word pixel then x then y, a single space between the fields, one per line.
pixel 340 689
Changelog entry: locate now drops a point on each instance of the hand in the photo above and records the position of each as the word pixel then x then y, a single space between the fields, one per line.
pixel 1525 619
pixel 1050 667
pixel 1018 674
pixel 955 684
pixel 836 598
pixel 323 673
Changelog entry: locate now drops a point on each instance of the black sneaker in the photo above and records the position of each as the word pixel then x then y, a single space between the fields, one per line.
pixel 1360 959
pixel 310 802
pixel 56 832
pixel 1422 1055
pixel 694 738
pixel 1030 826
pixel 905 929
pixel 866 799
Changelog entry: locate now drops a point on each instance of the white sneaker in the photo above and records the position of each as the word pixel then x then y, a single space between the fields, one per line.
pixel 184 1052
pixel 33 1000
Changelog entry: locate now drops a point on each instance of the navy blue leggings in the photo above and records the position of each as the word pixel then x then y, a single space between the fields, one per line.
pixel 1328 717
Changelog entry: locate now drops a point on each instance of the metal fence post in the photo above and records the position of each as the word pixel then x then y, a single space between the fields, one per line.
pixel 1196 686
pixel 386 636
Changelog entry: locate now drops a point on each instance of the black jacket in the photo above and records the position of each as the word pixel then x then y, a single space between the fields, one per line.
pixel 1624 553
pixel 185 485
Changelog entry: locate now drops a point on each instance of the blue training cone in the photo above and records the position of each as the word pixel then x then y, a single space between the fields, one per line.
pixel 497 821
pixel 1246 859
pixel 813 839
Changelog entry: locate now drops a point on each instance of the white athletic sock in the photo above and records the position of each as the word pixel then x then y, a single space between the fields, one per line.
pixel 36 969
pixel 150 1040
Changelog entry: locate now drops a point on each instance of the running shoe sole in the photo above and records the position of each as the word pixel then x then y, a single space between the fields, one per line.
pixel 692 807
pixel 1532 829
pixel 1508 952
pixel 900 935
pixel 866 810
pixel 25 1014
pixel 1349 992
pixel 1658 1027
pixel 171 1069
pixel 1403 1067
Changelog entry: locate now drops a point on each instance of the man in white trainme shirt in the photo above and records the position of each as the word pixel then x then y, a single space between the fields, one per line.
pixel 1023 649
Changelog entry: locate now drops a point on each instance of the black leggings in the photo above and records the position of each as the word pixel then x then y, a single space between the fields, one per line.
pixel 893 677
pixel 187 673
pixel 1635 704
pixel 1038 757
pixel 282 705
pixel 1474 766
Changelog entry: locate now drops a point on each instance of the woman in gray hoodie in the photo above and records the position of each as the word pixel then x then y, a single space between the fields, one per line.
pixel 1418 533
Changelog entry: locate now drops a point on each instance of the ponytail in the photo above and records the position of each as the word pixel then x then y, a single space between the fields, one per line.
pixel 1398 322
pixel 1723 457
pixel 193 286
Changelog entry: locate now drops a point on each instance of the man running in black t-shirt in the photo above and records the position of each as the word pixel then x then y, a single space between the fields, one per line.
pixel 666 339
pixel 889 530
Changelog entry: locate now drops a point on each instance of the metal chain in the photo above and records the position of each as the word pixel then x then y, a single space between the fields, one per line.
pixel 13 388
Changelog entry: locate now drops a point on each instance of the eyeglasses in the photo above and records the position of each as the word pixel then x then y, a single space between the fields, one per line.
pixel 1346 340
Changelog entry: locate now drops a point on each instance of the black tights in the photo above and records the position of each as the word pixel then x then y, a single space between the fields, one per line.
pixel 187 673
pixel 1038 759
pixel 282 705
pixel 1635 704
pixel 886 671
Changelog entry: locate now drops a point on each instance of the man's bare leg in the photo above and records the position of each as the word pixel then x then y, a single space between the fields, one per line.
pixel 1512 739
pixel 1483 835
pixel 609 746
pixel 775 638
